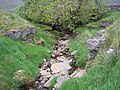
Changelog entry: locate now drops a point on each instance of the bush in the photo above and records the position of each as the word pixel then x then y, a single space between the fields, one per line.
pixel 65 14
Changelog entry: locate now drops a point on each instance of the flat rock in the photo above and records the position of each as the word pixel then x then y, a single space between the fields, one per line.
pixel 80 73
pixel 57 67
pixel 47 84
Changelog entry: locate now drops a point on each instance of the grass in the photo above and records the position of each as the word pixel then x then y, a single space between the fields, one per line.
pixel 105 70
pixel 17 55
pixel 80 44
pixel 52 83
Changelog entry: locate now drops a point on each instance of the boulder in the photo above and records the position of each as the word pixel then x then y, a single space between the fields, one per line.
pixel 80 73
pixel 111 51
pixel 105 24
pixel 57 67
pixel 14 34
pixel 95 43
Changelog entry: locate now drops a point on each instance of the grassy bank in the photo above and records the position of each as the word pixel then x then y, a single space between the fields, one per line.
pixel 17 55
pixel 104 73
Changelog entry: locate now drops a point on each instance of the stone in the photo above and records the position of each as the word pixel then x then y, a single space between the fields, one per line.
pixel 45 73
pixel 20 75
pixel 105 24
pixel 63 73
pixel 74 52
pixel 111 51
pixel 80 73
pixel 26 32
pixel 14 34
pixel 47 84
pixel 100 33
pixel 60 80
pixel 63 42
pixel 57 67
pixel 40 43
pixel 75 72
pixel 29 40
pixel 61 58
pixel 32 30
pixel 94 43
pixel 92 54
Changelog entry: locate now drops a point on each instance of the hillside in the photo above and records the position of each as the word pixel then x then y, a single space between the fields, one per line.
pixel 63 45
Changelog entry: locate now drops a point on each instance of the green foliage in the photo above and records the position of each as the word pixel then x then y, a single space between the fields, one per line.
pixel 52 83
pixel 65 13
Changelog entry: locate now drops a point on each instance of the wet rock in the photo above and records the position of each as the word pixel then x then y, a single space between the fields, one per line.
pixel 14 34
pixel 100 33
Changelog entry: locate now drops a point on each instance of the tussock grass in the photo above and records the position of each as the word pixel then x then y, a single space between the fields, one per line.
pixel 105 71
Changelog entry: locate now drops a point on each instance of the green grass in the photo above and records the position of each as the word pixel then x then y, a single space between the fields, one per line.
pixel 52 83
pixel 17 55
pixel 105 71
pixel 80 44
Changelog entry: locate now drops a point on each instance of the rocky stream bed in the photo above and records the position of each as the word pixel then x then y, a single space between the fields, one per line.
pixel 61 66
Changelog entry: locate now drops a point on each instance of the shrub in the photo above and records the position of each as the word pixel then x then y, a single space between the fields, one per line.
pixel 65 14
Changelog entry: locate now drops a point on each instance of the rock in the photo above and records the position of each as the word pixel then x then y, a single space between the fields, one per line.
pixel 105 24
pixel 14 34
pixel 80 73
pixel 100 33
pixel 32 30
pixel 63 73
pixel 47 84
pixel 74 52
pixel 75 72
pixel 61 58
pixel 60 80
pixel 92 54
pixel 26 32
pixel 20 75
pixel 29 40
pixel 111 51
pixel 40 43
pixel 45 73
pixel 63 42
pixel 57 67
pixel 94 43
